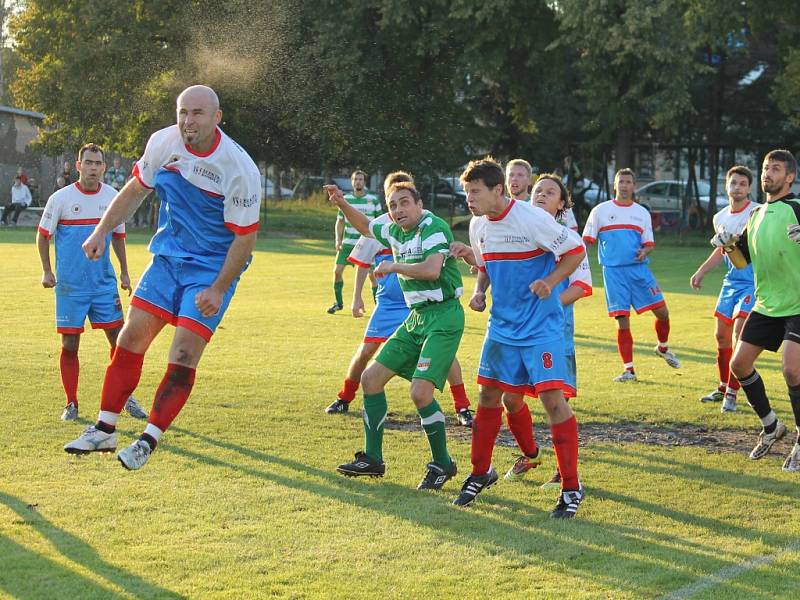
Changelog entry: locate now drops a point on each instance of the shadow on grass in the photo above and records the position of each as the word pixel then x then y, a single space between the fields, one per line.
pixel 593 546
pixel 40 577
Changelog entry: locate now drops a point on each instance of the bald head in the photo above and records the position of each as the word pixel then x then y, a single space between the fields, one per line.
pixel 198 117
pixel 199 94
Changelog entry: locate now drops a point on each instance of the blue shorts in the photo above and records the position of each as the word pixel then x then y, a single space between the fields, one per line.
pixel 104 311
pixel 384 322
pixel 167 290
pixel 527 370
pixel 735 300
pixel 571 377
pixel 631 285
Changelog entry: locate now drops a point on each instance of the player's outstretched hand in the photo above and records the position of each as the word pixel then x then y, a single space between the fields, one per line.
pixel 541 289
pixel 94 246
pixel 725 240
pixel 478 302
pixel 208 302
pixel 793 233
pixel 461 250
pixel 125 282
pixel 335 195
pixel 357 308
pixel 696 280
pixel 48 279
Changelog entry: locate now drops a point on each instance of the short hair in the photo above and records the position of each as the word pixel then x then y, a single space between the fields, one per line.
pixel 358 172
pixel 566 197
pixel 91 148
pixel 784 156
pixel 625 171
pixel 397 177
pixel 404 185
pixel 486 169
pixel 17 178
pixel 519 162
pixel 740 170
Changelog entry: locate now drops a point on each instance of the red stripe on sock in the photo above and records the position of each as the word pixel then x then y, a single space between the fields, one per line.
pixel 625 345
pixel 122 377
pixel 348 391
pixel 521 425
pixel 70 369
pixel 662 331
pixel 171 395
pixel 724 363
pixel 460 400
pixel 565 443
pixel 485 428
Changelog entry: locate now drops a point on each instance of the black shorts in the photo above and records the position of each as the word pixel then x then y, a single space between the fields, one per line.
pixel 769 332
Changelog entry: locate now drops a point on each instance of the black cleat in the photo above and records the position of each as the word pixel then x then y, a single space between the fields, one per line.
pixel 568 503
pixel 334 308
pixel 474 485
pixel 437 476
pixel 363 465
pixel 339 406
pixel 464 417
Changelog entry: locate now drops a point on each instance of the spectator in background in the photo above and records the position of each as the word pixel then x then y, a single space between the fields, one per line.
pixel 20 200
pixel 66 173
pixel 33 186
pixel 60 183
pixel 117 175
pixel 22 176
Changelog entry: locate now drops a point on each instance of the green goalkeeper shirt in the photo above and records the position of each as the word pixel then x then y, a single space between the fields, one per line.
pixel 431 236
pixel 775 258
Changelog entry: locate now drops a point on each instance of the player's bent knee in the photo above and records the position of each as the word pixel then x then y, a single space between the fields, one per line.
pixel 490 397
pixel 70 341
pixel 555 405
pixel 513 402
pixel 791 375
pixel 421 392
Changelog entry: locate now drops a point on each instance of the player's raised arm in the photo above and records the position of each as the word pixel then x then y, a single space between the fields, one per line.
pixel 353 215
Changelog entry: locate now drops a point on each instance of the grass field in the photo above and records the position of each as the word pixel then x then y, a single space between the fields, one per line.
pixel 241 499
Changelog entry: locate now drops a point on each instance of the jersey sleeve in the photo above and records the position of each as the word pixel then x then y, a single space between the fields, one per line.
pixel 553 237
pixel 339 215
pixel 591 227
pixel 474 242
pixel 582 277
pixel 119 231
pixel 380 231
pixel 50 217
pixel 242 204
pixel 155 155
pixel 569 220
pixel 365 251
pixel 436 239
pixel 741 243
pixel 647 234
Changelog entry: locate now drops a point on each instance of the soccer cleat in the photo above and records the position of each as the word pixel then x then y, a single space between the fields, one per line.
pixel 715 396
pixel 554 483
pixel 792 463
pixel 766 440
pixel 134 456
pixel 729 404
pixel 334 308
pixel 625 377
pixel 92 440
pixel 437 476
pixel 464 417
pixel 133 409
pixel 668 356
pixel 70 412
pixel 338 406
pixel 522 465
pixel 363 465
pixel 568 503
pixel 474 485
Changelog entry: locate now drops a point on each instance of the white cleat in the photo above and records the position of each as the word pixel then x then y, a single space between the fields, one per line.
pixel 92 440
pixel 668 356
pixel 133 409
pixel 792 463
pixel 766 441
pixel 625 377
pixel 134 456
pixel 729 404
pixel 70 412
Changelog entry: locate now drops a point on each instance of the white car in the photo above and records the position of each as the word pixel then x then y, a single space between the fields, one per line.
pixel 666 195
pixel 268 189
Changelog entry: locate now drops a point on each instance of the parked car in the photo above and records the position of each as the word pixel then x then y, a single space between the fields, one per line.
pixel 268 189
pixel 446 194
pixel 666 195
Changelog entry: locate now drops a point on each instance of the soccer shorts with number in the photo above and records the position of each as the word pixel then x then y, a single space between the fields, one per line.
pixel 168 288
pixel 735 300
pixel 631 285
pixel 526 370
pixel 104 311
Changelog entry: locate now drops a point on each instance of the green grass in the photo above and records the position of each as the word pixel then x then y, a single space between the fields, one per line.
pixel 241 499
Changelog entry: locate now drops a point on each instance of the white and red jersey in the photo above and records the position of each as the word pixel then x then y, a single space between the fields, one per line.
pixel 206 199
pixel 735 222
pixel 70 217
pixel 515 249
pixel 569 219
pixel 621 231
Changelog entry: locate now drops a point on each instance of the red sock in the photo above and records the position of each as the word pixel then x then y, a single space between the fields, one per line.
pixel 122 377
pixel 460 400
pixel 348 391
pixel 485 428
pixel 733 383
pixel 521 425
pixel 111 352
pixel 625 347
pixel 724 363
pixel 171 395
pixel 70 368
pixel 662 332
pixel 565 443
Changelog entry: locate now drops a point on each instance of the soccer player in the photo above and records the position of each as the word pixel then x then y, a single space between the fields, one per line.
pixel 516 246
pixel 518 179
pixel 737 296
pixel 423 348
pixel 83 287
pixel 770 244
pixel 210 192
pixel 625 234
pixel 390 312
pixel 347 235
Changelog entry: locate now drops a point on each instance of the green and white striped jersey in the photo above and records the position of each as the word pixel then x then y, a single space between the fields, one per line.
pixel 368 205
pixel 431 236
